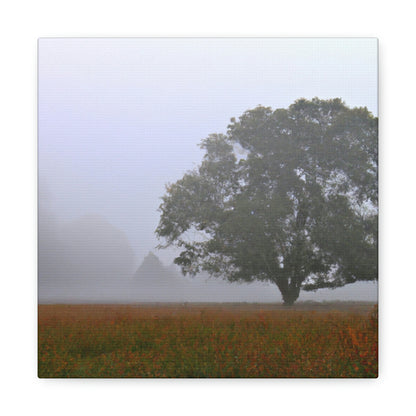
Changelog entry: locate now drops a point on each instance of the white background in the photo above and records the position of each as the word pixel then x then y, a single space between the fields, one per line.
pixel 22 23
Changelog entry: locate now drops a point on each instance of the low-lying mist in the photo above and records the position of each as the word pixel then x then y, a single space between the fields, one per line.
pixel 90 260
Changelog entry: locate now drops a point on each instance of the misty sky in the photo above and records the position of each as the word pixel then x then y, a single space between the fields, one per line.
pixel 120 118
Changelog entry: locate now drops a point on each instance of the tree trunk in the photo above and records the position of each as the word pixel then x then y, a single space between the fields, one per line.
pixel 290 297
pixel 290 289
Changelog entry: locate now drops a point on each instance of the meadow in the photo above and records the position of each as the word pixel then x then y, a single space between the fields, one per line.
pixel 208 340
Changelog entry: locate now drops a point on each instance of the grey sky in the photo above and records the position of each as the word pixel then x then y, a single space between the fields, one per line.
pixel 120 118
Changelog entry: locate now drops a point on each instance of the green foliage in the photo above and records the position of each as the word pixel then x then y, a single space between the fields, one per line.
pixel 288 196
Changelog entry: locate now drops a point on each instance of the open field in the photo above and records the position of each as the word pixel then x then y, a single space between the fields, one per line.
pixel 208 340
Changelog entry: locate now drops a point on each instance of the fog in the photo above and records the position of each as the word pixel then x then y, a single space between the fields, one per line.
pixel 89 260
pixel 121 118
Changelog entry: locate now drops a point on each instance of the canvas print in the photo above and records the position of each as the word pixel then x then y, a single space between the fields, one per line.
pixel 207 208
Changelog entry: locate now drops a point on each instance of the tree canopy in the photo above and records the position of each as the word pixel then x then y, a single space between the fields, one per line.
pixel 288 196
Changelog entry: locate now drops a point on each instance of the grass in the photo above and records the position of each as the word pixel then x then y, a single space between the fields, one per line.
pixel 240 340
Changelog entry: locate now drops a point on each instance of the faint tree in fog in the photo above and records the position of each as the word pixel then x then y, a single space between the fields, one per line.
pixel 87 257
pixel 94 248
pixel 288 196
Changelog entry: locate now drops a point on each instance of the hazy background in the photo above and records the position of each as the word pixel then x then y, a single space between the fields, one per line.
pixel 120 118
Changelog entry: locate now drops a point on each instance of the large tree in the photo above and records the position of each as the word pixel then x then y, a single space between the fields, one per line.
pixel 288 196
